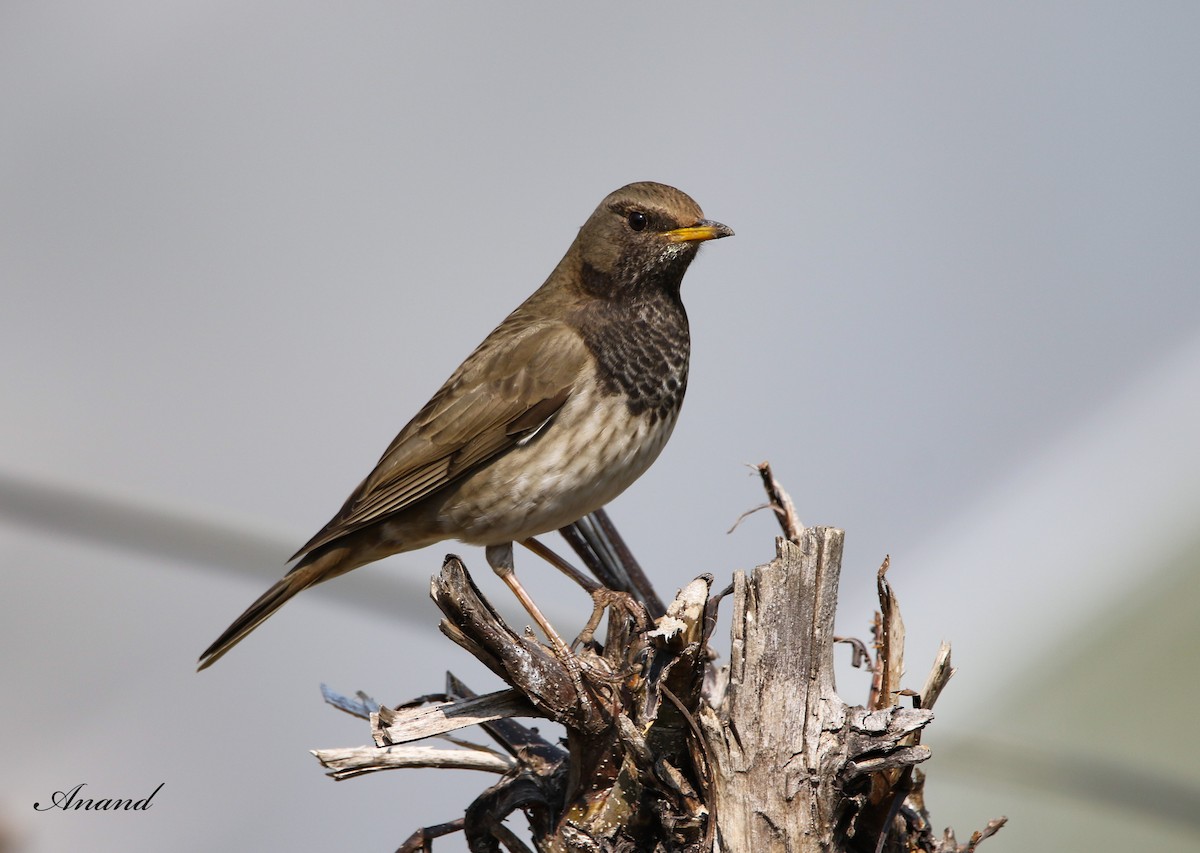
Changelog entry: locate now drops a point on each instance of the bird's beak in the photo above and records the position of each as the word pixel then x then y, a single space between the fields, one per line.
pixel 702 230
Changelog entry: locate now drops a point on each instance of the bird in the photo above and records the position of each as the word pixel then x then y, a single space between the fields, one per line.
pixel 560 408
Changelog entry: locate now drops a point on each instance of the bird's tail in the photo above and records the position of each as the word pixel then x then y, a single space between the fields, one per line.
pixel 321 565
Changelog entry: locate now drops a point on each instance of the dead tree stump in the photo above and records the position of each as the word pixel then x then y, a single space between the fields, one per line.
pixel 665 752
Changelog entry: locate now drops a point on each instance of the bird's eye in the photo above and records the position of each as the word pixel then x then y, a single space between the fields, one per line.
pixel 637 220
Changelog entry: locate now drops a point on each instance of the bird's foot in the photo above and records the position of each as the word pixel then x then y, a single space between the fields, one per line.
pixel 603 599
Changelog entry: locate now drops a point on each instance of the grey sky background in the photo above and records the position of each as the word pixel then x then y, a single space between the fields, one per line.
pixel 241 244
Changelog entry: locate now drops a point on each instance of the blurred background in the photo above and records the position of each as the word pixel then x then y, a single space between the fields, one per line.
pixel 242 243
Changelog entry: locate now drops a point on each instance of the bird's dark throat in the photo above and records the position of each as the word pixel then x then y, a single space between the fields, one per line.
pixel 641 347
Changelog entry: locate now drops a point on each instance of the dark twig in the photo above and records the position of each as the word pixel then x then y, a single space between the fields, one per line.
pixel 582 545
pixel 737 522
pixel 421 841
pixel 781 502
pixel 859 656
pixel 643 589
pixel 706 767
pixel 520 741
pixel 598 543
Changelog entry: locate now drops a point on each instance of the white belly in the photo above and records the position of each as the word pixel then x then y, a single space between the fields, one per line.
pixel 590 453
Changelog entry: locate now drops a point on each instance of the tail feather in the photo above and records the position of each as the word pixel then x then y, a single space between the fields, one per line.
pixel 316 567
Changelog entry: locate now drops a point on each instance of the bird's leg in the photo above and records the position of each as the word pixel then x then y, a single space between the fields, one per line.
pixel 500 558
pixel 602 596
pixel 589 585
pixel 588 634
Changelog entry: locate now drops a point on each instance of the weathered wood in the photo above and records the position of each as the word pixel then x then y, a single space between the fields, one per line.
pixel 666 753
pixel 779 741
pixel 408 724
pixel 941 673
pixel 346 763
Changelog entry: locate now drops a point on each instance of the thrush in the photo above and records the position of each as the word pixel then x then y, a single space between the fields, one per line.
pixel 558 411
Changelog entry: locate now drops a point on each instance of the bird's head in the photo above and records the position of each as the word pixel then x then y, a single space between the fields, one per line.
pixel 642 236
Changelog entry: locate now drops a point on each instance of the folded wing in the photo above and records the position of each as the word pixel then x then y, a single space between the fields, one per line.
pixel 502 395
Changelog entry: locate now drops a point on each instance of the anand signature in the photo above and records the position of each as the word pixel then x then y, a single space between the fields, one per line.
pixel 73 800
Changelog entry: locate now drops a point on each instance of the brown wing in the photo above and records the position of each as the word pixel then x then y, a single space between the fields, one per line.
pixel 504 392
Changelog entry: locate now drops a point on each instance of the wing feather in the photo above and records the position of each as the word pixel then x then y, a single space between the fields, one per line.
pixel 504 392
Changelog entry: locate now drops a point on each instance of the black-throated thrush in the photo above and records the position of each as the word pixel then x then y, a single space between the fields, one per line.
pixel 557 412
